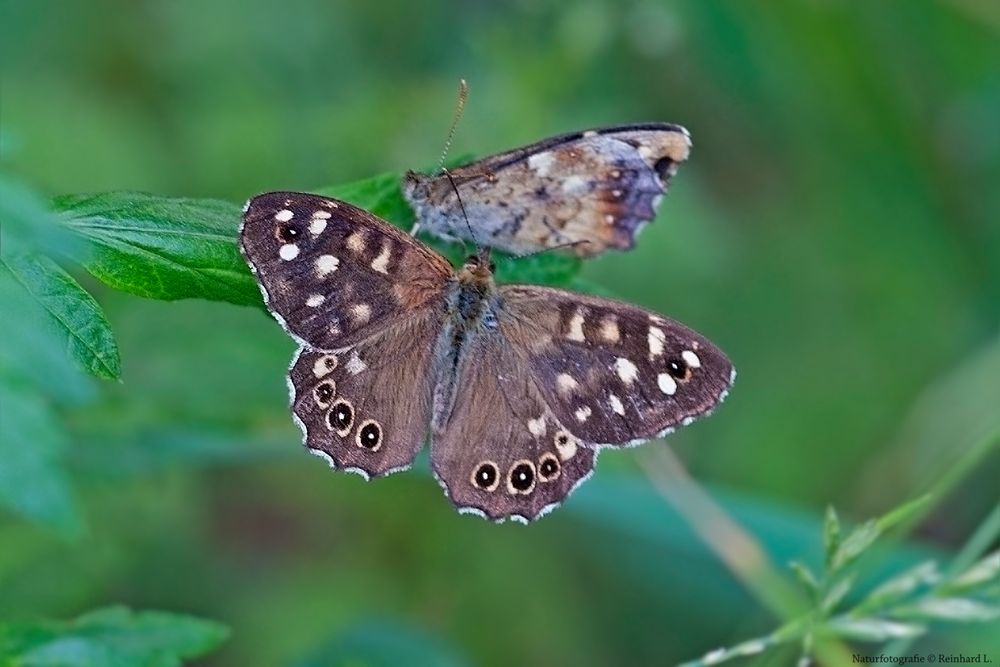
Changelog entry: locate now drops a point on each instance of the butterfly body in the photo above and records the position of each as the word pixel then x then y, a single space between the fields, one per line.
pixel 517 387
pixel 600 186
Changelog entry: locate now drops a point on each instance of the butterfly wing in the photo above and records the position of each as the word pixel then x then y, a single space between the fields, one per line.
pixel 366 302
pixel 500 452
pixel 599 186
pixel 613 373
pixel 333 274
pixel 366 408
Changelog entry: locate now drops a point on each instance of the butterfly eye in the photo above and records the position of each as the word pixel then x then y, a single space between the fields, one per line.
pixel 370 435
pixel 323 392
pixel 286 233
pixel 486 476
pixel 678 368
pixel 548 467
pixel 521 478
pixel 341 417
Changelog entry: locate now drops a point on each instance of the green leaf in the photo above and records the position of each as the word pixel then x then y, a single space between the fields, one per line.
pixel 805 576
pixel 836 594
pixel 110 637
pixel 741 650
pixel 863 536
pixel 31 441
pixel 831 534
pixel 162 248
pixel 950 609
pixel 872 629
pixel 901 585
pixel 381 195
pixel 28 225
pixel 74 314
pixel 982 572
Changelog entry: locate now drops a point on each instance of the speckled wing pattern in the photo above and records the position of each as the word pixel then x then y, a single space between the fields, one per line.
pixel 365 300
pixel 614 374
pixel 517 400
pixel 501 453
pixel 600 186
pixel 334 274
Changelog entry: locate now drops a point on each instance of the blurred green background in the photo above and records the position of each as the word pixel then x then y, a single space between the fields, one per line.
pixel 836 231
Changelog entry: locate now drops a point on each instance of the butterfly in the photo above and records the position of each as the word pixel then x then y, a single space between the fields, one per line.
pixel 517 386
pixel 599 186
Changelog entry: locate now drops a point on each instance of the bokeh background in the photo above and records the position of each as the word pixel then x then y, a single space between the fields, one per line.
pixel 836 231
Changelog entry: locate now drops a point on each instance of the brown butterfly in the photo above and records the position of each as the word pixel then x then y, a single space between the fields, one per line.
pixel 600 186
pixel 518 387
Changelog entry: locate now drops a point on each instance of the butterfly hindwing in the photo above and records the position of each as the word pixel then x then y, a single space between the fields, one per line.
pixel 613 373
pixel 501 453
pixel 333 273
pixel 367 407
pixel 599 186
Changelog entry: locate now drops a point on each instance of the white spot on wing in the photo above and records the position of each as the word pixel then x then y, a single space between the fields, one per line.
pixel 666 383
pixel 616 405
pixel 381 262
pixel 566 383
pixel 288 252
pixel 360 313
pixel 541 162
pixel 315 300
pixel 537 426
pixel 326 264
pixel 582 414
pixel 568 450
pixel 590 133
pixel 626 370
pixel 656 340
pixel 609 329
pixel 318 222
pixel 355 365
pixel 324 365
pixel 574 185
pixel 691 359
pixel 576 327
pixel 356 242
pixel 284 215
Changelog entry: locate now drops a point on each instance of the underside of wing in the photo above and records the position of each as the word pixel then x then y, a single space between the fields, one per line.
pixel 600 186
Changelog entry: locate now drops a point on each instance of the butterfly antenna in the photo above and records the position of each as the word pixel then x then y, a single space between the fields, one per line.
pixel 463 94
pixel 461 205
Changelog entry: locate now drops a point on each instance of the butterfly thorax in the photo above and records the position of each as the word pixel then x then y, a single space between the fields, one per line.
pixel 472 301
pixel 472 304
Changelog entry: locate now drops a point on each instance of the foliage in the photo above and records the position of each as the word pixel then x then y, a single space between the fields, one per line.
pixel 834 232
pixel 110 637
pixel 897 608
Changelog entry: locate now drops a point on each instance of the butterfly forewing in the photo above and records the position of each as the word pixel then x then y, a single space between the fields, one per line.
pixel 600 186
pixel 613 373
pixel 333 273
